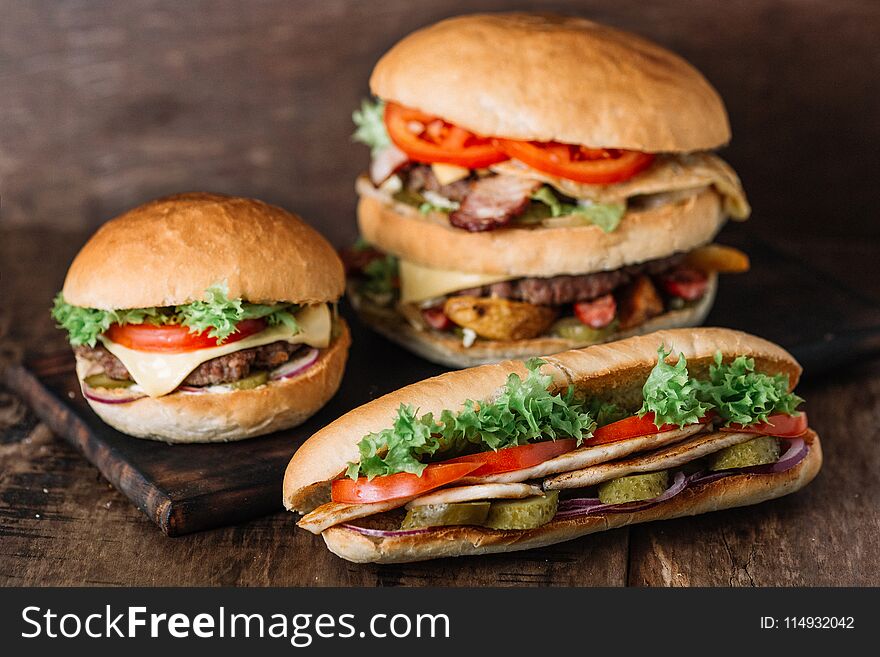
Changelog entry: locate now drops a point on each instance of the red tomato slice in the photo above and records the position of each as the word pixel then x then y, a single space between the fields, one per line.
pixel 597 313
pixel 175 338
pixel 632 427
pixel 780 425
pixel 688 284
pixel 425 138
pixel 516 458
pixel 437 319
pixel 396 486
pixel 599 166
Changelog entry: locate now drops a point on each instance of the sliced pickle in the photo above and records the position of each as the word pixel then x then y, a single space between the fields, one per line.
pixel 103 381
pixel 527 513
pixel 759 451
pixel 571 328
pixel 408 197
pixel 634 488
pixel 441 515
pixel 255 380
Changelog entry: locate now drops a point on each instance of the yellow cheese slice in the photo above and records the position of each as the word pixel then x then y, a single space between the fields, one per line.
pixel 447 174
pixel 419 283
pixel 158 374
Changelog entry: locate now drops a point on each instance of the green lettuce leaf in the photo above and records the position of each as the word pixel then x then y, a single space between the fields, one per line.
pixel 741 395
pixel 216 313
pixel 84 325
pixel 381 276
pixel 524 411
pixel 606 216
pixel 670 394
pixel 606 412
pixel 370 123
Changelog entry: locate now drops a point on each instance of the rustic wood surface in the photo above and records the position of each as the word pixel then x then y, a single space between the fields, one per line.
pixel 107 104
pixel 62 523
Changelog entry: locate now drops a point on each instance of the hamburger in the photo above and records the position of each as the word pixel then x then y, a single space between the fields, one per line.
pixel 537 183
pixel 518 455
pixel 201 318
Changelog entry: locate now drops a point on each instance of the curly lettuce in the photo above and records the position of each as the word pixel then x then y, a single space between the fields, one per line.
pixel 606 216
pixel 216 313
pixel 740 395
pixel 370 123
pixel 671 394
pixel 84 325
pixel 381 276
pixel 524 411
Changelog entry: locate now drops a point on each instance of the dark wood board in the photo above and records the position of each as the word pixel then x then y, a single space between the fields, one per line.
pixel 187 488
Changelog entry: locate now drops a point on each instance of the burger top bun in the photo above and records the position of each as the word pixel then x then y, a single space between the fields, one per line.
pixel 169 251
pixel 553 78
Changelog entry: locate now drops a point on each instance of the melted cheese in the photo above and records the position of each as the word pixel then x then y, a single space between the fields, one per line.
pixel 419 283
pixel 158 374
pixel 449 173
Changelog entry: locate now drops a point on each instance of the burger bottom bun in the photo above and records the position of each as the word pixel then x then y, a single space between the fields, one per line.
pixel 444 349
pixel 225 416
pixel 733 491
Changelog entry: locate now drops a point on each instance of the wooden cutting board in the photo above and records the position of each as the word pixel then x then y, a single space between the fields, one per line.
pixel 187 488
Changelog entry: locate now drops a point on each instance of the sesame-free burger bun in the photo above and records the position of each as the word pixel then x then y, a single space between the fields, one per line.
pixel 186 417
pixel 169 251
pixel 657 232
pixel 553 78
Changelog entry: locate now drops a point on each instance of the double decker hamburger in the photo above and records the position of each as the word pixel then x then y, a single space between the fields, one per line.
pixel 538 183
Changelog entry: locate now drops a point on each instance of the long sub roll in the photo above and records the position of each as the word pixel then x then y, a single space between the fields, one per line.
pixel 519 455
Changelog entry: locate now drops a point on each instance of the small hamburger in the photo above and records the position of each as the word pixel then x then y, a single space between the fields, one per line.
pixel 538 183
pixel 202 318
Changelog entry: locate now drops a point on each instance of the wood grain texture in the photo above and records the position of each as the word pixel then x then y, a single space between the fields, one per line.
pixel 107 104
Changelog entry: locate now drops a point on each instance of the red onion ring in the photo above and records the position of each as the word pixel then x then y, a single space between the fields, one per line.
pixel 194 389
pixel 796 452
pixel 295 366
pixel 587 505
pixel 89 393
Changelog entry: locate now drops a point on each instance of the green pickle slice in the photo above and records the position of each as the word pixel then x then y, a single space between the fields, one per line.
pixel 571 328
pixel 634 488
pixel 527 513
pixel 103 381
pixel 759 451
pixel 252 381
pixel 441 515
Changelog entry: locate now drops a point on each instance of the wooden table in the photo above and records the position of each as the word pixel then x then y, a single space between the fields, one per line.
pixel 62 524
pixel 107 104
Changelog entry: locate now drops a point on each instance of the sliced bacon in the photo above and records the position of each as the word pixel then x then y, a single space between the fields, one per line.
pixel 385 163
pixel 492 202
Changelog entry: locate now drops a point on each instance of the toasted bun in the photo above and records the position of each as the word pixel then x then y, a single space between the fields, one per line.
pixel 446 349
pixel 733 491
pixel 643 235
pixel 168 252
pixel 553 78
pixel 221 417
pixel 617 369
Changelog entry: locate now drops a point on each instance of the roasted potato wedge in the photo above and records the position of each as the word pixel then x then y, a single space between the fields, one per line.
pixel 639 303
pixel 718 258
pixel 499 319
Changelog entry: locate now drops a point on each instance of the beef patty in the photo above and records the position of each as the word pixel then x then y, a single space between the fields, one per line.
pixel 559 290
pixel 223 369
